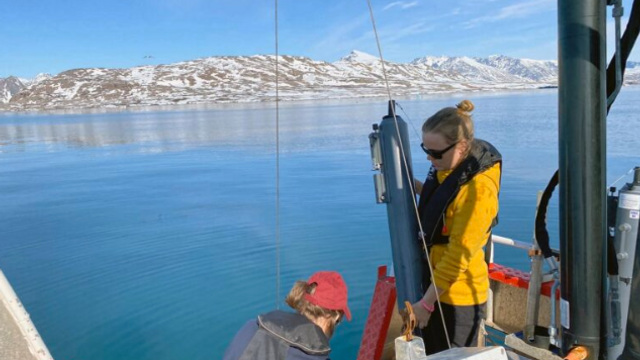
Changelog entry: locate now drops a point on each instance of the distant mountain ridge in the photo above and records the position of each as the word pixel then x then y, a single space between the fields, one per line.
pixel 537 70
pixel 8 87
pixel 12 85
pixel 39 78
pixel 252 78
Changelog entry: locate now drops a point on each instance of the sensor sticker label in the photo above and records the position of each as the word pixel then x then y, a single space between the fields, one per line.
pixel 629 201
pixel 564 313
pixel 634 214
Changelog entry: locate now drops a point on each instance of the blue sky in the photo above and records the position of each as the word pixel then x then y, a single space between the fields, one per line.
pixel 53 36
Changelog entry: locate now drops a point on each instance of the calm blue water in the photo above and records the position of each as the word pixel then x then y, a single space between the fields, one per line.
pixel 151 235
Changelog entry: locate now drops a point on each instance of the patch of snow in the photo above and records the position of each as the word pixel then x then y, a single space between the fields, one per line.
pixel 361 57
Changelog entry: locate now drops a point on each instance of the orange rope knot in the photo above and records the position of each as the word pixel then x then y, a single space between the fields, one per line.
pixel 409 321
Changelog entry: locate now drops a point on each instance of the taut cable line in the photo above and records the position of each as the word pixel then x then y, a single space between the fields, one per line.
pixel 277 163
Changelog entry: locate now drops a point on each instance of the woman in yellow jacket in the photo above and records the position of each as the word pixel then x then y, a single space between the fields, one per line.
pixel 458 207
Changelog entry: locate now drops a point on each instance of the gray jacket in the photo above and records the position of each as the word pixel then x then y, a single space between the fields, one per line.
pixel 279 335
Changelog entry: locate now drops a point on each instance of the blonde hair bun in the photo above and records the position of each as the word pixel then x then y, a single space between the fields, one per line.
pixel 465 106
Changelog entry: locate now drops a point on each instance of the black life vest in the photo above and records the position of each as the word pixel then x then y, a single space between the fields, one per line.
pixel 436 197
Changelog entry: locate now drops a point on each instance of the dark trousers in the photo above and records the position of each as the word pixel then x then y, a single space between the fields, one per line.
pixel 463 324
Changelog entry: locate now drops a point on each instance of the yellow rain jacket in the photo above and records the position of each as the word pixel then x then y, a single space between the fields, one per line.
pixel 459 266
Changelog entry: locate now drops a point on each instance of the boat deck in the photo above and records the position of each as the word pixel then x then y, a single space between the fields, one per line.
pixel 13 345
pixel 19 338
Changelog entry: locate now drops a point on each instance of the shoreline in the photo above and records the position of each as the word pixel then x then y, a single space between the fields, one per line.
pixel 260 103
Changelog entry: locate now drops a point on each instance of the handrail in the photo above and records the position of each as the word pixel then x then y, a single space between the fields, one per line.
pixel 497 239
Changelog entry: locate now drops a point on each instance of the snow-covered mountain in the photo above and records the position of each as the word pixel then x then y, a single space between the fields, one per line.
pixel 252 78
pixel 496 68
pixel 39 78
pixel 360 57
pixel 632 73
pixel 12 85
pixel 468 68
pixel 536 70
pixel 9 87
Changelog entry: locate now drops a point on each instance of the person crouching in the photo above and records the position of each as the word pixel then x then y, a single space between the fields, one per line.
pixel 320 304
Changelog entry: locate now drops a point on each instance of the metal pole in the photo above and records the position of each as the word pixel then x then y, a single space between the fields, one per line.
pixel 582 114
pixel 533 293
pixel 403 226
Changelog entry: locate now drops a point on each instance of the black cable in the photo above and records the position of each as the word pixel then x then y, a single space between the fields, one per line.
pixel 542 235
pixel 627 41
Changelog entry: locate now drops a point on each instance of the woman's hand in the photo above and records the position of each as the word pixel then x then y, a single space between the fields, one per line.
pixel 422 315
pixel 418 185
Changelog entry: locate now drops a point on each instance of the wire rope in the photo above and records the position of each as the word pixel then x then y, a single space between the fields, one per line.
pixel 277 161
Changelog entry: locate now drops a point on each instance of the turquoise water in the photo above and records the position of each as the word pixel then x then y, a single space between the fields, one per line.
pixel 151 235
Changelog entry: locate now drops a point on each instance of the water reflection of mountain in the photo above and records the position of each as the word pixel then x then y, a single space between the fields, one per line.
pixel 304 126
pixel 250 126
pixel 166 130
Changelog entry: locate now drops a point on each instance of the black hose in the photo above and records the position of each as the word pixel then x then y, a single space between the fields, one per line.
pixel 612 209
pixel 627 41
pixel 542 235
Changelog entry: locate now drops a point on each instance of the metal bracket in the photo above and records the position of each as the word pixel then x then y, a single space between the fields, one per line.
pixel 376 161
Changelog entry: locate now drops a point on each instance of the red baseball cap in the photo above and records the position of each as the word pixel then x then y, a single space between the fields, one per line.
pixel 331 292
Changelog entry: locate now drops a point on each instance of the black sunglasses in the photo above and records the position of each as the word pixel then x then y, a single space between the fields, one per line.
pixel 437 154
